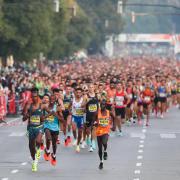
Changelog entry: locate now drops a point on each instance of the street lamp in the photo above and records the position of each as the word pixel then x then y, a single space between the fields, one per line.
pixel 133 17
pixel 56 5
pixel 120 7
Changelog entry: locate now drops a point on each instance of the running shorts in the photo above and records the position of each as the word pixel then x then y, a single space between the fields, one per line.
pixel 34 131
pixel 120 112
pixel 78 120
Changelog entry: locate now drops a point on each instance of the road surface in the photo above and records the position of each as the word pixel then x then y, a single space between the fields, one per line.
pixel 151 153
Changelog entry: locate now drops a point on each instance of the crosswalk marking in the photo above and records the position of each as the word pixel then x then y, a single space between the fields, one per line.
pixel 168 136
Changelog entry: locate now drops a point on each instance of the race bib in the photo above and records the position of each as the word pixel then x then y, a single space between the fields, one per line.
pixel 119 101
pixel 111 100
pixel 147 98
pixel 162 94
pixel 103 122
pixel 35 120
pixel 130 96
pixel 66 105
pixel 92 108
pixel 79 112
pixel 50 118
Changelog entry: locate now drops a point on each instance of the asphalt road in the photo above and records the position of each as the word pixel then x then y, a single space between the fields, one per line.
pixel 151 153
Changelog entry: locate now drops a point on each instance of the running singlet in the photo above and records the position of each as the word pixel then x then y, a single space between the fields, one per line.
pixel 103 123
pixel 162 91
pixel 77 109
pixel 52 122
pixel 92 105
pixel 129 93
pixel 35 117
pixel 110 96
pixel 67 101
pixel 147 95
pixel 120 100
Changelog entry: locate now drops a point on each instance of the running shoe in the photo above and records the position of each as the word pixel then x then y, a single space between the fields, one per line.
pixel 69 139
pixel 66 143
pixel 119 133
pixel 34 166
pixel 75 142
pixel 91 149
pixel 77 149
pixel 88 141
pixel 38 154
pixel 105 156
pixel 53 160
pixel 162 116
pixel 94 144
pixel 128 123
pixel 46 155
pixel 101 165
pixel 83 145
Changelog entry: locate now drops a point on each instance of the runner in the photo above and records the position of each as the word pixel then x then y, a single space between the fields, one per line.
pixel 162 97
pixel 147 99
pixel 102 131
pixel 91 113
pixel 121 99
pixel 129 107
pixel 33 113
pixel 59 102
pixel 51 128
pixel 78 112
pixel 67 100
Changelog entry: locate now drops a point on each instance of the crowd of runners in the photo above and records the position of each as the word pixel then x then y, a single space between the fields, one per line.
pixel 88 100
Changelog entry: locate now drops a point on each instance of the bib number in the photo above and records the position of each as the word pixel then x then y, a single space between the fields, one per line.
pixel 92 108
pixel 35 120
pixel 79 112
pixel 147 99
pixel 162 95
pixel 50 118
pixel 66 105
pixel 103 122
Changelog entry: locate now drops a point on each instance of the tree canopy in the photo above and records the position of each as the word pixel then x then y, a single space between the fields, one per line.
pixel 29 27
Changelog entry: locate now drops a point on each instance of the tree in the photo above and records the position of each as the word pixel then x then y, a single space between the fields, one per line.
pixel 27 29
pixel 100 12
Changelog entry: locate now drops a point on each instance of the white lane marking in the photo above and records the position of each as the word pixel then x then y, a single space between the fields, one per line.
pixel 14 171
pixel 140 151
pixel 4 178
pixel 168 136
pixel 14 120
pixel 137 172
pixel 138 164
pixel 143 137
pixel 141 146
pixel 144 130
pixel 141 141
pixel 17 134
pixel 24 163
pixel 139 157
pixel 137 135
pixel 136 179
pixel 11 121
